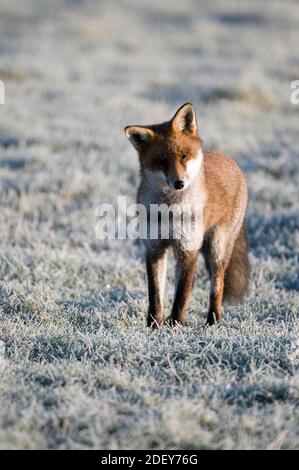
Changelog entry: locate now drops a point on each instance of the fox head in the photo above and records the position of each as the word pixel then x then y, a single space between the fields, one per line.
pixel 170 153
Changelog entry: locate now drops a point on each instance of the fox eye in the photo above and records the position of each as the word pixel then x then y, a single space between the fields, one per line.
pixel 184 155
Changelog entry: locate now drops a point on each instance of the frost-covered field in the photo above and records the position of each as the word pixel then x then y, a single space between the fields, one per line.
pixel 78 367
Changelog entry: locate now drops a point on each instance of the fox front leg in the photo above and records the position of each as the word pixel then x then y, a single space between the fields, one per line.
pixel 185 271
pixel 156 264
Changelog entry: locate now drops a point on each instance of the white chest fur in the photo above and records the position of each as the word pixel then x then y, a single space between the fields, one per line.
pixel 181 215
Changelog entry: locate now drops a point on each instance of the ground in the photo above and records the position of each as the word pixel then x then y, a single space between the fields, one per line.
pixel 79 368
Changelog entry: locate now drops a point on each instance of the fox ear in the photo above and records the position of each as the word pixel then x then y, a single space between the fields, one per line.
pixel 184 119
pixel 138 135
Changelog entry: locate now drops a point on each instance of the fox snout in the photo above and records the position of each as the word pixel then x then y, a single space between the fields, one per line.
pixel 179 177
pixel 176 184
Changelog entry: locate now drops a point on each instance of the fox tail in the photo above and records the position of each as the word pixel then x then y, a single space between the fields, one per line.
pixel 237 273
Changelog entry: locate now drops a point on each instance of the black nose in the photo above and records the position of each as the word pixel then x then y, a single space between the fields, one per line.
pixel 179 184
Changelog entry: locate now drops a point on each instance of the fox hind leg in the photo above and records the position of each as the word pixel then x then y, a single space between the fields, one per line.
pixel 216 294
pixel 217 249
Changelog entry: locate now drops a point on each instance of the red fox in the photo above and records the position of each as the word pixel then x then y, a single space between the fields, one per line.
pixel 175 169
